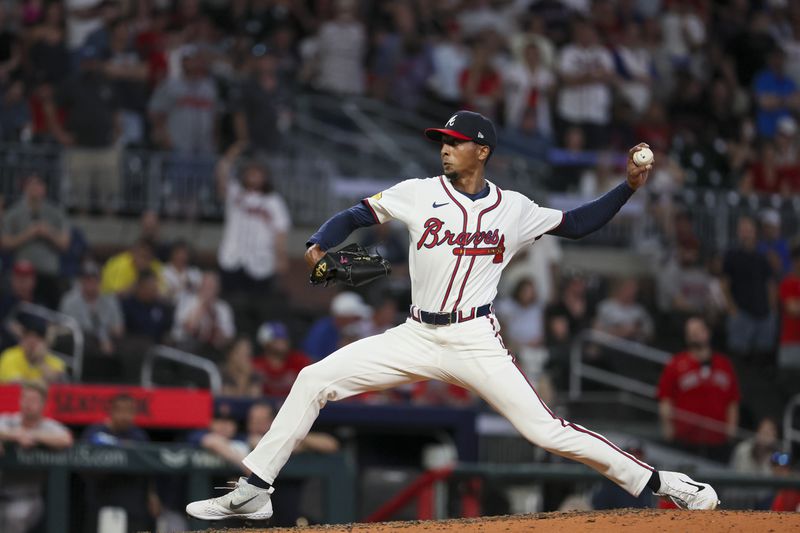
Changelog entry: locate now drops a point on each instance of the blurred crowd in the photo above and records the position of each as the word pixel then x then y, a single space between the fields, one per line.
pixel 214 78
pixel 711 86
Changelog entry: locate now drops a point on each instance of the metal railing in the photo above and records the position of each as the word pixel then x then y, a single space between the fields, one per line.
pixel 324 151
pixel 75 360
pixel 646 391
pixel 791 435
pixel 389 147
pixel 580 370
pixel 184 358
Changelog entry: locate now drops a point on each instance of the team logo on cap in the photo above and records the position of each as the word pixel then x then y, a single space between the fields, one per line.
pixel 451 122
pixel 480 135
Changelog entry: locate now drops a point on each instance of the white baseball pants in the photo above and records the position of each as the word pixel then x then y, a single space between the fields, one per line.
pixel 470 354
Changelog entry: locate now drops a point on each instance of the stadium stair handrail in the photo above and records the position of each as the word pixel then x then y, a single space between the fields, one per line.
pixel 179 356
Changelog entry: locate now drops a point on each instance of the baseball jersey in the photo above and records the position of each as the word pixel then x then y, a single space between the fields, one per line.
pixel 703 390
pixel 279 376
pixel 252 221
pixel 458 247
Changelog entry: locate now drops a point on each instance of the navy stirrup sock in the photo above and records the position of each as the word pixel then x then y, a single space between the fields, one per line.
pixel 258 482
pixel 655 482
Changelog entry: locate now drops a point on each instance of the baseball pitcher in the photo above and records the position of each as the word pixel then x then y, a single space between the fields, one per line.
pixel 463 231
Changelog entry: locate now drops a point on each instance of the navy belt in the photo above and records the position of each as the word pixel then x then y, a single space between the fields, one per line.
pixel 445 318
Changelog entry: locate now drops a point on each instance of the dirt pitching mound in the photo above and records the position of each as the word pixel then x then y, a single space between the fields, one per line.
pixel 634 520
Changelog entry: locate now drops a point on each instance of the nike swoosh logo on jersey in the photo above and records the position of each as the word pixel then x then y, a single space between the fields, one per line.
pixel 235 506
pixel 435 205
pixel 699 487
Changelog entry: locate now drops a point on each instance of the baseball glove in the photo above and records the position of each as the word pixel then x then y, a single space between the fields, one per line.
pixel 351 265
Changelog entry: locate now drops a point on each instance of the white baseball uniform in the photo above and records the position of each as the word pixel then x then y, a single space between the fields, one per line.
pixel 458 249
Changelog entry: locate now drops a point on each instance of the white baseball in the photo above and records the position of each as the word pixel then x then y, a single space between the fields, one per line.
pixel 643 157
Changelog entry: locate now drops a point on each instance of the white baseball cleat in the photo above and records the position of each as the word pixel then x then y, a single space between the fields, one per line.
pixel 687 493
pixel 244 501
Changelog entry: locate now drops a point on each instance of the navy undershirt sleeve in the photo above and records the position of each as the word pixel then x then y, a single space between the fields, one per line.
pixel 583 220
pixel 336 229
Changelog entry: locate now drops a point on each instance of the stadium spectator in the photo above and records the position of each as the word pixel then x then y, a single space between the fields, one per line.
pixel 789 295
pixel 239 376
pixel 262 105
pixel 334 57
pixel 753 456
pixel 449 57
pixel 325 335
pixel 776 94
pixel 278 362
pixel 30 360
pixel 787 500
pixel 528 86
pixel 252 252
pixel 90 129
pixel 586 70
pixel 409 64
pixel 634 65
pixel 181 278
pixel 564 320
pixel 751 45
pixel 122 271
pixel 698 395
pixel 21 289
pixel 283 47
pixel 15 111
pixel 203 322
pixel 21 502
pixel 540 263
pixel 37 231
pixel 99 315
pixel 221 438
pixel 259 419
pixel 83 17
pixel 683 32
pixel 750 293
pixel 183 111
pixel 129 74
pixel 664 183
pixel 522 316
pixel 384 316
pixel 772 245
pixel 148 321
pixel 134 493
pixel 622 316
pixel 146 314
pixel 481 84
pixel 684 285
pixel 49 59
pixel 150 231
pixel 534 31
pixel 787 151
pixel 572 305
pixel 763 175
pixel 11 50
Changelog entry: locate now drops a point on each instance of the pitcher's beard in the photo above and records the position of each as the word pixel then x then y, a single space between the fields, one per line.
pixel 452 175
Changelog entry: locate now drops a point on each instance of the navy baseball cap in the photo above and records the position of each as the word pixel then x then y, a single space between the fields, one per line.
pixel 270 331
pixel 467 126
